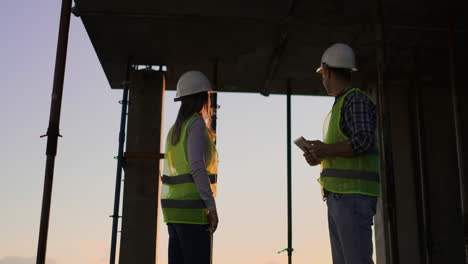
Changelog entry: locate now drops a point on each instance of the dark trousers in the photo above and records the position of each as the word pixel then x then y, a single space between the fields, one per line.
pixel 350 220
pixel 189 244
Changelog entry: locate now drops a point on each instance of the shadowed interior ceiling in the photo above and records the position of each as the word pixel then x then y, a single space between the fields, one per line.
pixel 257 46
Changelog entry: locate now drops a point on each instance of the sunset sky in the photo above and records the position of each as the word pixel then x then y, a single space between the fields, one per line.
pixel 251 142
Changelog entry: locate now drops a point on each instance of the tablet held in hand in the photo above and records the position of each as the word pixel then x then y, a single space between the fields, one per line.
pixel 302 144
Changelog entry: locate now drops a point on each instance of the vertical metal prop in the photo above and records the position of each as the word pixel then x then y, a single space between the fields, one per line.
pixel 214 117
pixel 214 103
pixel 53 130
pixel 458 135
pixel 214 96
pixel 289 185
pixel 386 158
pixel 118 178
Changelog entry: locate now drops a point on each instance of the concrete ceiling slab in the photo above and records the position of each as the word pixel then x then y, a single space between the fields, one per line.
pixel 252 46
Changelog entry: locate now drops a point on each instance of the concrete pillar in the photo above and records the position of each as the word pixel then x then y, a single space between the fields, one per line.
pixel 141 182
pixel 405 165
pixel 379 234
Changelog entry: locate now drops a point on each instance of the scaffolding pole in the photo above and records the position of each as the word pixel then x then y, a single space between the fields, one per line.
pixel 214 96
pixel 289 185
pixel 53 129
pixel 214 118
pixel 118 178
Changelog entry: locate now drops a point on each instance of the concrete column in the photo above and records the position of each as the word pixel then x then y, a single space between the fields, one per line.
pixel 408 222
pixel 141 182
pixel 379 223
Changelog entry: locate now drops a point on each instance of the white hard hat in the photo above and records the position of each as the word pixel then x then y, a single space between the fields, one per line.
pixel 338 55
pixel 192 82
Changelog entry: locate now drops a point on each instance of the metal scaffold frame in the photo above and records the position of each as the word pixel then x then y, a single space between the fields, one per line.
pixel 120 163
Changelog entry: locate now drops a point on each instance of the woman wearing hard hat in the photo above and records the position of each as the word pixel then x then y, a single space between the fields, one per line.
pixel 190 173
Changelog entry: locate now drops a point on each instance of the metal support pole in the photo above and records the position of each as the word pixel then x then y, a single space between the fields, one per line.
pixel 385 139
pixel 53 130
pixel 289 185
pixel 214 117
pixel 214 105
pixel 118 178
pixel 214 96
pixel 458 136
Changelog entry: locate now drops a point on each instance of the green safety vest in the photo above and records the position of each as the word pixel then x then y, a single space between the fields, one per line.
pixel 180 199
pixel 357 174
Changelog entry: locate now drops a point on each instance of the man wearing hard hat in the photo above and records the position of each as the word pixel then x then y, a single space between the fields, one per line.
pixel 349 160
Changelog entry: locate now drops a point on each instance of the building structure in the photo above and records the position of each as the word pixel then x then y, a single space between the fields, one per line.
pixel 411 54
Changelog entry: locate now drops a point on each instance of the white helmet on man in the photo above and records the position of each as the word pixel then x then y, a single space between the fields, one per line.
pixel 192 82
pixel 340 56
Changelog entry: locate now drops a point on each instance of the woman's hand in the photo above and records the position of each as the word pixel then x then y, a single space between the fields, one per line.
pixel 212 221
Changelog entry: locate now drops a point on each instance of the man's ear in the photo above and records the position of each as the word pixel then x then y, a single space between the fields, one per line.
pixel 330 74
pixel 327 73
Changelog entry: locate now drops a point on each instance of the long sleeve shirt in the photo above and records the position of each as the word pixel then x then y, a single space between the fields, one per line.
pixel 196 149
pixel 359 121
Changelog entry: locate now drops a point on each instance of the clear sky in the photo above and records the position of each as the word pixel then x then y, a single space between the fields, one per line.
pixel 251 142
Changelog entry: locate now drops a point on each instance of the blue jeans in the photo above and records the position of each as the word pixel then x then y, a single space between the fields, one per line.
pixel 350 220
pixel 189 244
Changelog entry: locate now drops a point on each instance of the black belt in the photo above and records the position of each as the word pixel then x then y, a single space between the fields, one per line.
pixel 351 174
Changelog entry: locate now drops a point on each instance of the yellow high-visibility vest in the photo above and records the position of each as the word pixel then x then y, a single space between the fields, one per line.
pixel 357 174
pixel 180 199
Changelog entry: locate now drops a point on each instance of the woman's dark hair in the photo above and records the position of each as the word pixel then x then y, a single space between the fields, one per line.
pixel 191 104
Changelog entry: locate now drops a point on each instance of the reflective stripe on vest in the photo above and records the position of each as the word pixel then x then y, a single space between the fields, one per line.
pixel 351 174
pixel 185 178
pixel 355 174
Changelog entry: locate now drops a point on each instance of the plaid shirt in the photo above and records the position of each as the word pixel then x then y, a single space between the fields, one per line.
pixel 359 121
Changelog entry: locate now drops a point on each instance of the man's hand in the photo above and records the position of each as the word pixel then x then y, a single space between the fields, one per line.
pixel 323 150
pixel 212 221
pixel 311 158
pixel 319 149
